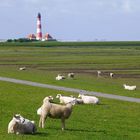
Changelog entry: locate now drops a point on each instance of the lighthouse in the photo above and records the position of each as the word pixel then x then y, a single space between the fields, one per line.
pixel 39 32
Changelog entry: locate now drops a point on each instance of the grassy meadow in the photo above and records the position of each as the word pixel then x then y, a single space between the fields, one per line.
pixel 111 119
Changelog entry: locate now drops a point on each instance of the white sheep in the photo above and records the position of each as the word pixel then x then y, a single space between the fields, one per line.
pixel 55 111
pixel 111 75
pixel 129 87
pixel 20 125
pixel 71 75
pixel 89 99
pixel 99 73
pixel 60 77
pixel 65 99
pixel 22 68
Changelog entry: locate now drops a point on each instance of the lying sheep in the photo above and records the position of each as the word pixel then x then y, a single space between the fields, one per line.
pixel 129 87
pixel 22 68
pixel 55 111
pixel 111 75
pixel 20 125
pixel 60 77
pixel 99 73
pixel 64 99
pixel 71 75
pixel 89 99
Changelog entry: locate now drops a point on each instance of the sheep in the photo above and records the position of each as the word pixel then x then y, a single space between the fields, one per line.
pixel 99 73
pixel 60 77
pixel 111 75
pixel 89 99
pixel 127 87
pixel 22 68
pixel 65 99
pixel 20 125
pixel 55 111
pixel 71 75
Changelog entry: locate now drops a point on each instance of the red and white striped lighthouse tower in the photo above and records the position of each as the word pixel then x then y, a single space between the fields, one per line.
pixel 39 32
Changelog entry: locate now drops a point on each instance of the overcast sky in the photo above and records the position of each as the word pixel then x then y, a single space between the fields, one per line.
pixel 85 20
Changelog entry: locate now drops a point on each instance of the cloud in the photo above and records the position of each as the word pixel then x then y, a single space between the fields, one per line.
pixel 127 6
pixel 6 3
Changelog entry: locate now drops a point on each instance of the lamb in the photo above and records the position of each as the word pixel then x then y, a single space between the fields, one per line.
pixel 89 99
pixel 111 75
pixel 20 125
pixel 65 99
pixel 55 111
pixel 60 77
pixel 71 75
pixel 127 87
pixel 22 68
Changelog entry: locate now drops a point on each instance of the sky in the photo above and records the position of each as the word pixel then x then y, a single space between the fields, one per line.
pixel 68 20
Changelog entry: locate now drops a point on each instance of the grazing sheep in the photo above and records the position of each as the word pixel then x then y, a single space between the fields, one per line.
pixel 111 75
pixel 65 99
pixel 22 68
pixel 129 87
pixel 55 111
pixel 71 75
pixel 89 99
pixel 20 125
pixel 99 73
pixel 60 77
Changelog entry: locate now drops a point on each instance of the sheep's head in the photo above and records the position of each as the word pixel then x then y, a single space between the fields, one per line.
pixel 48 98
pixel 18 118
pixel 58 95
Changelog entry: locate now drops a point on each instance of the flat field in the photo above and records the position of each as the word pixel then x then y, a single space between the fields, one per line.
pixel 111 119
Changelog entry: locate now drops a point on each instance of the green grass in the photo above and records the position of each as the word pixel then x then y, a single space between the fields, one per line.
pixel 43 64
pixel 112 119
pixel 113 44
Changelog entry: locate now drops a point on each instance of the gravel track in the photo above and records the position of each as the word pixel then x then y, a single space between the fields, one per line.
pixel 111 96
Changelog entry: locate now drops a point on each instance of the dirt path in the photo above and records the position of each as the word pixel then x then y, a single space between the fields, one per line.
pixel 111 96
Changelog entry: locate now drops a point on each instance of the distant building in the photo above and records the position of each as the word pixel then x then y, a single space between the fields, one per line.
pixel 47 37
pixel 39 26
pixel 31 37
pixel 38 36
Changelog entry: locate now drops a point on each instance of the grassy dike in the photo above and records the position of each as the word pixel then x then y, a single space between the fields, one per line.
pixel 111 120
